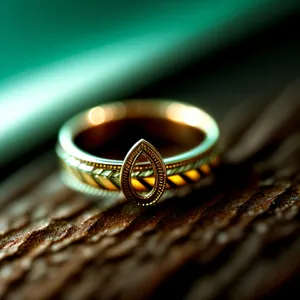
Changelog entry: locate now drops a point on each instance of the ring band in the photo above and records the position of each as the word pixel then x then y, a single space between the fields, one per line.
pixel 143 182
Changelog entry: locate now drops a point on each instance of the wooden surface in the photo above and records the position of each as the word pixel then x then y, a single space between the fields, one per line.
pixel 238 238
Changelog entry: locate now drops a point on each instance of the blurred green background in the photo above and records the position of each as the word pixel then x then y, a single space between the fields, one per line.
pixel 58 57
pixel 37 33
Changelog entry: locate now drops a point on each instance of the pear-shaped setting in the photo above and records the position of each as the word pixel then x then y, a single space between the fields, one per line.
pixel 143 147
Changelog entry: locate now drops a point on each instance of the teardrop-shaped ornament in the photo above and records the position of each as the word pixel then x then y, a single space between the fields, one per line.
pixel 142 147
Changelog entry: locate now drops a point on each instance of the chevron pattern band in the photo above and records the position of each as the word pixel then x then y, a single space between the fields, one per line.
pixel 142 181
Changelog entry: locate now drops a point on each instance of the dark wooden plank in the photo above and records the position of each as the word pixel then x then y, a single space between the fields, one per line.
pixel 237 238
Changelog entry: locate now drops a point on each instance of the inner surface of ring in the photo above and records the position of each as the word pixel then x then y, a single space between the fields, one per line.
pixel 113 139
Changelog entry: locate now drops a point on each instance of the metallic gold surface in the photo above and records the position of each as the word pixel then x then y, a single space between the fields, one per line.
pixel 143 147
pixel 93 174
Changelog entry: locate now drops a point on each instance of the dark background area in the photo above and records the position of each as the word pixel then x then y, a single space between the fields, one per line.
pixel 258 65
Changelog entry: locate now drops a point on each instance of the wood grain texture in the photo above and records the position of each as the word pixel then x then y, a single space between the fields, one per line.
pixel 238 238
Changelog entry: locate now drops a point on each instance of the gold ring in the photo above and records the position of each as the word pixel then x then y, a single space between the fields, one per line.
pixel 92 148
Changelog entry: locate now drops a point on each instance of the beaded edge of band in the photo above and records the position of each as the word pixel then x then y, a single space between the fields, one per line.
pixel 110 171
